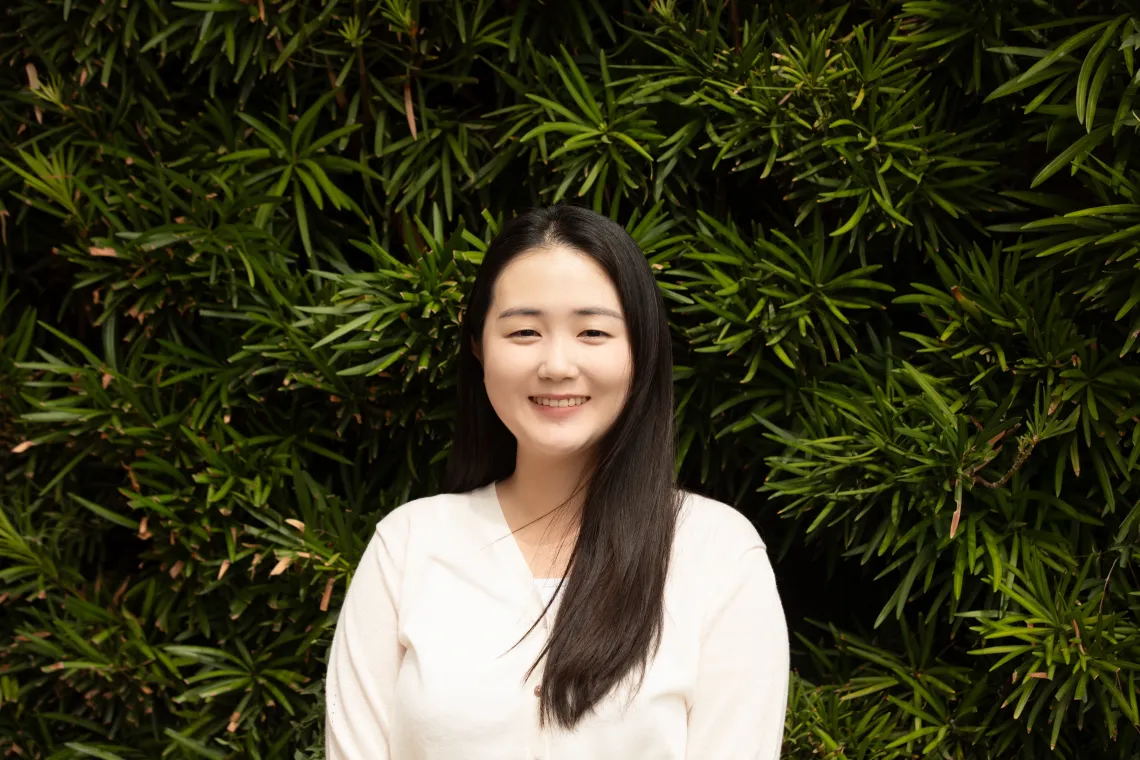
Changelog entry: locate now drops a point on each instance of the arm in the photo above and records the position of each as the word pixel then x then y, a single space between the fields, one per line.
pixel 740 700
pixel 364 660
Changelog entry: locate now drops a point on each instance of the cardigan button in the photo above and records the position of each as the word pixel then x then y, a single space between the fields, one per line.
pixel 538 690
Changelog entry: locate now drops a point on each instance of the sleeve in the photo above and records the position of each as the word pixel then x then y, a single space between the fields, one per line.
pixel 740 700
pixel 364 659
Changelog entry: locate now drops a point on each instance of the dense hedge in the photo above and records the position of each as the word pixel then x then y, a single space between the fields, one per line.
pixel 898 239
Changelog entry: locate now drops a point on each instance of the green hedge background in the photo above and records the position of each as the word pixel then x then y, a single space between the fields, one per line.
pixel 898 239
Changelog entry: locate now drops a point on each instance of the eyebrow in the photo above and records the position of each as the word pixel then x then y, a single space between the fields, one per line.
pixel 586 311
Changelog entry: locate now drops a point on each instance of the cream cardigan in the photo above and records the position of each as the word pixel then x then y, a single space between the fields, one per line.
pixel 420 669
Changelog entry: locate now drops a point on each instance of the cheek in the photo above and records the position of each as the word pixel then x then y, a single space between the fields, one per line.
pixel 614 372
pixel 502 372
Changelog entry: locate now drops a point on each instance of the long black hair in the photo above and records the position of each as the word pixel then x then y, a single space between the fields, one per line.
pixel 610 618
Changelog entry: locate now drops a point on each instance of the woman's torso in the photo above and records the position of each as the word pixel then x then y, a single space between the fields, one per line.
pixel 468 596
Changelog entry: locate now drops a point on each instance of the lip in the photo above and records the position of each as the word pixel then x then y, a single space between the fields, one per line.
pixel 557 412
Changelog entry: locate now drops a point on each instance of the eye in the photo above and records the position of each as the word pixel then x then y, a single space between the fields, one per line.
pixel 519 333
pixel 596 334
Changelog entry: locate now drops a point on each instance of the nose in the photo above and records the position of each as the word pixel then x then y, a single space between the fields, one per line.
pixel 558 360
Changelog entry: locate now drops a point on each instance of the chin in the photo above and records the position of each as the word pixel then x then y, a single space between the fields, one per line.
pixel 558 448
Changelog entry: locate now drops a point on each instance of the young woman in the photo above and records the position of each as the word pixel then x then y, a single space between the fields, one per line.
pixel 564 600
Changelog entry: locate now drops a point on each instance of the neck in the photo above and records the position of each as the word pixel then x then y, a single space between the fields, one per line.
pixel 538 488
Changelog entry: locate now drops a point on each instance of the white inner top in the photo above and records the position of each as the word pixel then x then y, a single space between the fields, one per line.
pixel 546 588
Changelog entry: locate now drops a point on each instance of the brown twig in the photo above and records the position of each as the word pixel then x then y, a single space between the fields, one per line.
pixel 1022 455
pixel 1024 450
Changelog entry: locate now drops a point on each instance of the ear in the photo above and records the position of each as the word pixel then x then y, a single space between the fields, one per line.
pixel 477 350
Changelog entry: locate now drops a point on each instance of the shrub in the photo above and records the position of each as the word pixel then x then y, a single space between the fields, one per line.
pixel 898 241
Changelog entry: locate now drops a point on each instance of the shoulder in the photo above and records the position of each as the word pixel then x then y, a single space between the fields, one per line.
pixel 711 520
pixel 712 532
pixel 439 514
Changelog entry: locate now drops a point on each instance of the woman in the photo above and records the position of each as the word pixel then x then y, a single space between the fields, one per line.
pixel 563 600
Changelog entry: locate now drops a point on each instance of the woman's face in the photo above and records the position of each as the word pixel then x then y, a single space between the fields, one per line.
pixel 556 356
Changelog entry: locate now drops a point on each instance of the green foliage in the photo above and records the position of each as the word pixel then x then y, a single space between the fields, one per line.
pixel 898 241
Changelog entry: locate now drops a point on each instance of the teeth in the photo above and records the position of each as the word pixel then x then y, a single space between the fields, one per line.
pixel 577 401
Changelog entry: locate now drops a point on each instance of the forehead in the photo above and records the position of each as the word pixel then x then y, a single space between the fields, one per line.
pixel 553 277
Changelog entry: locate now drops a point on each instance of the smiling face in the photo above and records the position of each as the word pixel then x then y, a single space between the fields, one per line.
pixel 556 356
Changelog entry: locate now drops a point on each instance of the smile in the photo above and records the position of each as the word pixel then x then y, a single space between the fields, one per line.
pixel 559 403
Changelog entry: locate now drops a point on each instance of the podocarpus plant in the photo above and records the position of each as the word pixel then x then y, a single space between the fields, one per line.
pixel 899 244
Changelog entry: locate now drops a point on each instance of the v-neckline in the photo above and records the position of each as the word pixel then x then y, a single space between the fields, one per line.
pixel 501 519
pixel 511 553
